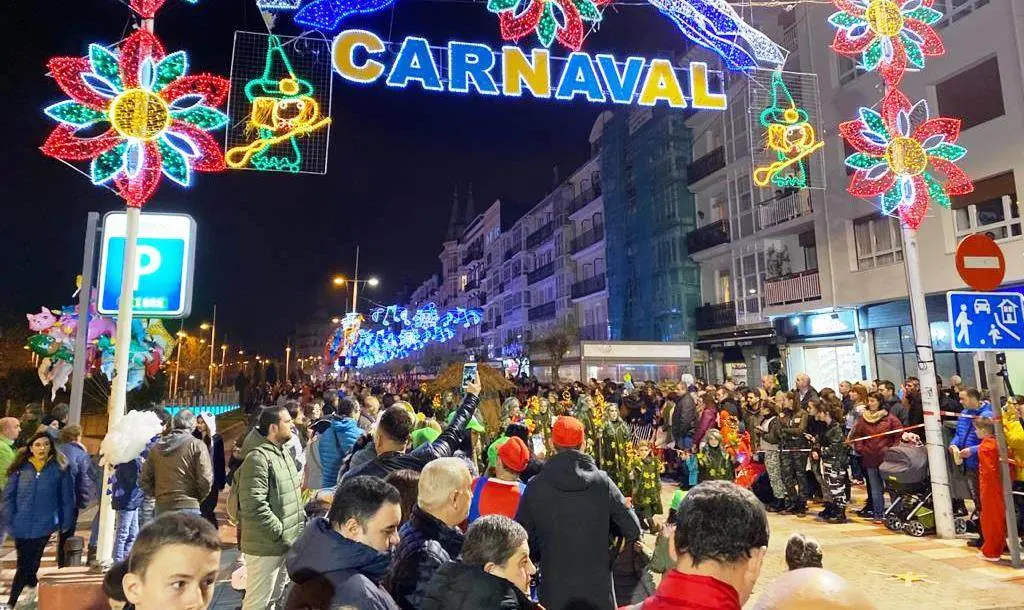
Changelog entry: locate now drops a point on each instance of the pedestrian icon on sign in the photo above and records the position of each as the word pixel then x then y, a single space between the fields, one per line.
pixel 963 326
pixel 997 316
pixel 995 334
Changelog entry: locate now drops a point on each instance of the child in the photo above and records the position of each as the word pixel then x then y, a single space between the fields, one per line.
pixel 175 558
pixel 832 451
pixel 647 469
pixel 770 429
pixel 993 522
pixel 715 463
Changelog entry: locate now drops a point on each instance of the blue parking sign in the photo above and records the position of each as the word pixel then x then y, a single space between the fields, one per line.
pixel 165 263
pixel 986 321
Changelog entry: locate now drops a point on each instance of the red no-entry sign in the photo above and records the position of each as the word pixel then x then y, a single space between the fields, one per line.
pixel 980 262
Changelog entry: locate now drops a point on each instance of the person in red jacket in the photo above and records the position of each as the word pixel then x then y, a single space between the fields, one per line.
pixel 875 421
pixel 720 537
pixel 993 516
pixel 500 495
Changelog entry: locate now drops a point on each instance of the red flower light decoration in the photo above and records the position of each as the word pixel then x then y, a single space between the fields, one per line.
pixel 157 117
pixel 895 151
pixel 148 8
pixel 542 17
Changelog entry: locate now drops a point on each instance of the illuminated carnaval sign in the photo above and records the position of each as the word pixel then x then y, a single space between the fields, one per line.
pixel 362 57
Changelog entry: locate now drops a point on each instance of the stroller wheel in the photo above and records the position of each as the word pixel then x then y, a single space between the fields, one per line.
pixel 894 523
pixel 914 528
pixel 960 525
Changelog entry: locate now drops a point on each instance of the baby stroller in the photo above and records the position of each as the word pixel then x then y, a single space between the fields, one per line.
pixel 905 472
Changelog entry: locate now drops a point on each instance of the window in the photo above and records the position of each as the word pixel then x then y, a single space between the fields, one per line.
pixel 990 209
pixel 848 69
pixel 877 241
pixel 975 95
pixel 896 358
pixel 955 10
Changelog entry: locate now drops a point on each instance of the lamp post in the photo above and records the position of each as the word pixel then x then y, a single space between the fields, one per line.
pixel 213 342
pixel 287 361
pixel 182 336
pixel 340 280
pixel 223 356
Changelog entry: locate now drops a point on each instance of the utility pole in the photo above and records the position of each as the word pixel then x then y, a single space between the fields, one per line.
pixel 213 342
pixel 82 332
pixel 355 282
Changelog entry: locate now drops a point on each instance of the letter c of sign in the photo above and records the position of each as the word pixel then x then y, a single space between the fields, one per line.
pixel 345 46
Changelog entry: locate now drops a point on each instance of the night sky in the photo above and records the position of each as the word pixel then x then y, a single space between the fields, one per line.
pixel 269 243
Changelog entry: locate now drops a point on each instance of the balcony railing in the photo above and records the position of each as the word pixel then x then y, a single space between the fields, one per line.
pixel 540 236
pixel 587 239
pixel 706 165
pixel 512 252
pixel 588 286
pixel 472 255
pixel 471 285
pixel 471 342
pixel 594 332
pixel 585 197
pixel 771 212
pixel 794 288
pixel 485 327
pixel 720 315
pixel 708 236
pixel 540 273
pixel 541 312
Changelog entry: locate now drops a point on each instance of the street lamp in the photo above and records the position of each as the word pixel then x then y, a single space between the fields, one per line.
pixel 223 356
pixel 287 361
pixel 334 320
pixel 182 335
pixel 340 280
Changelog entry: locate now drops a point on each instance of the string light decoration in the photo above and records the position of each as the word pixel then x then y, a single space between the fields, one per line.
pixel 541 17
pixel 716 25
pixel 343 337
pixel 278 5
pixel 157 116
pixel 890 36
pixel 327 15
pixel 898 152
pixel 282 109
pixel 148 8
pixel 403 333
pixel 790 136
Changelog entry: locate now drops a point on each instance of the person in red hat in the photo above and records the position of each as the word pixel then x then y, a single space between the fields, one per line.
pixel 500 495
pixel 570 510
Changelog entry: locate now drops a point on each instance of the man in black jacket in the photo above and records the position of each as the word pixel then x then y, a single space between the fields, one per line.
pixel 431 538
pixel 571 510
pixel 684 419
pixel 392 436
pixel 494 571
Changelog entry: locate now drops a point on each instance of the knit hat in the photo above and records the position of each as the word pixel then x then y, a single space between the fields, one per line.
pixel 423 435
pixel 567 432
pixel 474 424
pixel 514 455
pixel 492 450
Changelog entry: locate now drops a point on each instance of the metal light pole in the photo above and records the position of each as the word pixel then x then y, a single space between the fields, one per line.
pixel 213 342
pixel 355 282
pixel 177 365
pixel 82 333
pixel 929 389
pixel 223 357
pixel 287 361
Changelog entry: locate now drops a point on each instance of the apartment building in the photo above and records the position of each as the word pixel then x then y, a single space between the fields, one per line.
pixel 813 280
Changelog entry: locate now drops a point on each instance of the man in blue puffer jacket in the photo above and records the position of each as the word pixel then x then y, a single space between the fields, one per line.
pixel 966 439
pixel 337 440
pixel 85 486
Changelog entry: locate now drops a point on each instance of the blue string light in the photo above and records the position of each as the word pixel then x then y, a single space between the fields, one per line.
pixel 402 333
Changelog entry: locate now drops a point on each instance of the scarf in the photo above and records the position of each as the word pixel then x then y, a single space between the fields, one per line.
pixel 873 417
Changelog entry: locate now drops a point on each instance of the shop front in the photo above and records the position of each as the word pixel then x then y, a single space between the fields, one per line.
pixel 824 346
pixel 643 360
pixel 741 356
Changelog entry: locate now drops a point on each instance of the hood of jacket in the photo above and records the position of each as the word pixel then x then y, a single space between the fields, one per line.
pixel 211 422
pixel 456 586
pixel 571 470
pixel 432 528
pixel 172 441
pixel 345 425
pixel 320 550
pixel 252 440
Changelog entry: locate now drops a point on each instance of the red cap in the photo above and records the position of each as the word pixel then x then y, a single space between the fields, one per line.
pixel 567 432
pixel 514 455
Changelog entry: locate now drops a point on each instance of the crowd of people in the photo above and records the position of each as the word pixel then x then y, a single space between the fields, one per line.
pixel 379 496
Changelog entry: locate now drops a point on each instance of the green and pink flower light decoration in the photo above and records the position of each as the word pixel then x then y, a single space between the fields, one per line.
pixel 151 117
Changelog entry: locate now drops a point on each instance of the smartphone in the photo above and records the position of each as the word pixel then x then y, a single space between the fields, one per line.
pixel 469 374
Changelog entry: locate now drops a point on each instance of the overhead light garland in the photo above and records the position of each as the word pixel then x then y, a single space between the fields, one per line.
pixel 542 17
pixel 157 117
pixel 403 333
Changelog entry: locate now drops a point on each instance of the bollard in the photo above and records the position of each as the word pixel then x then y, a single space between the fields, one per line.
pixel 73 551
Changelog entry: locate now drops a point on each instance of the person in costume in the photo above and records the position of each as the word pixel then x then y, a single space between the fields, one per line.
pixel 990 488
pixel 615 441
pixel 832 455
pixel 647 469
pixel 715 463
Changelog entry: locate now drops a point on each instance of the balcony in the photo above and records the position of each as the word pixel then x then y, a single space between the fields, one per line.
pixel 706 165
pixel 541 312
pixel 588 286
pixel 541 273
pixel 512 252
pixel 471 285
pixel 594 332
pixel 587 239
pixel 793 288
pixel 771 212
pixel 540 236
pixel 471 342
pixel 472 255
pixel 719 315
pixel 585 197
pixel 708 236
pixel 485 327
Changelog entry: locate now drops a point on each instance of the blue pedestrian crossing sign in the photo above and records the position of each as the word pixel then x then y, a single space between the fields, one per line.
pixel 165 261
pixel 986 321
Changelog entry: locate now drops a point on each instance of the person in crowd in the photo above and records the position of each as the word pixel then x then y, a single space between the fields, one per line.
pixel 79 466
pixel 312 470
pixel 965 442
pixel 494 570
pixel 173 565
pixel 29 425
pixel 720 538
pixel 392 435
pixel 569 511
pixel 684 424
pixel 771 438
pixel 339 561
pixel 10 429
pixel 727 402
pixel 39 500
pixel 804 390
pixel 51 426
pixel 715 463
pixel 533 466
pixel 337 440
pixel 845 387
pixel 431 537
pixel 992 518
pixel 407 482
pixel 295 448
pixel 813 589
pixel 831 455
pixel 802 552
pixel 269 507
pixel 368 413
pixel 499 495
pixel 1014 433
pixel 915 412
pixel 126 500
pixel 707 418
pixel 891 402
pixel 875 420
pixel 752 418
pixel 859 401
pixel 794 448
pixel 178 472
pixel 769 385
pixel 206 431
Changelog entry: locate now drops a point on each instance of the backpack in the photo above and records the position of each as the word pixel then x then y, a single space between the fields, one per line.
pixel 233 503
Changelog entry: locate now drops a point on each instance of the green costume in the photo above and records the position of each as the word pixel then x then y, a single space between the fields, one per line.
pixel 615 445
pixel 647 484
pixel 715 463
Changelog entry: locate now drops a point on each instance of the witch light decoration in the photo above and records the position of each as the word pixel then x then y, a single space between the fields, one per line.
pixel 283 109
pixel 790 136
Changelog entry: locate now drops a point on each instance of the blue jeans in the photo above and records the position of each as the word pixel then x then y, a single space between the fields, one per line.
pixel 126 528
pixel 877 489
